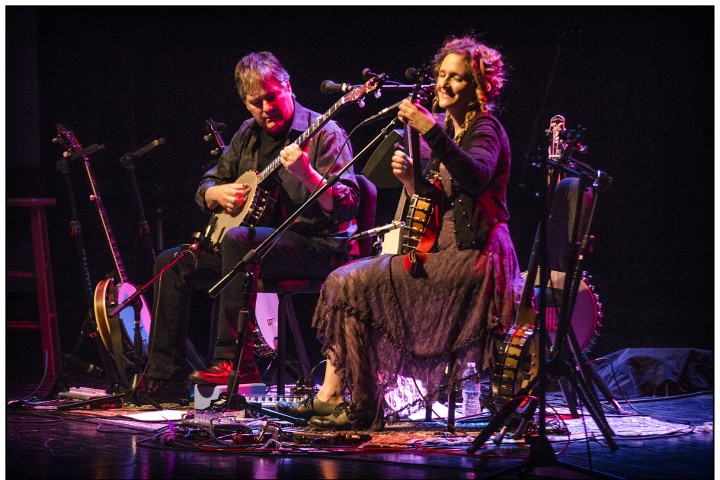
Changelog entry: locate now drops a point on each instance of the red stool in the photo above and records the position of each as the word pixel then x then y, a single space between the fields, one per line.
pixel 47 321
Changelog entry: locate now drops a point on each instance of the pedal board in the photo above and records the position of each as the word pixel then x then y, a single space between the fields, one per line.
pixel 255 393
pixel 83 393
pixel 84 398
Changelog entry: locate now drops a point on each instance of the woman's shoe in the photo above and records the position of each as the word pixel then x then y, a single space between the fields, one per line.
pixel 310 407
pixel 339 419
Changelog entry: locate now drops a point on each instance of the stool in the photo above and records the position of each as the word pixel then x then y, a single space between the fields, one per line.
pixel 47 321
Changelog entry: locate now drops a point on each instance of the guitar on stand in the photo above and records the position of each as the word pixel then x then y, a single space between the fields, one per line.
pixel 113 330
pixel 89 325
pixel 517 363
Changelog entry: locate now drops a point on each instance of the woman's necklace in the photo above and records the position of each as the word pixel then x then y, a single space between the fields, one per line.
pixel 458 136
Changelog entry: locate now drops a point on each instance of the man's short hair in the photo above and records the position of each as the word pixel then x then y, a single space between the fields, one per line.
pixel 257 68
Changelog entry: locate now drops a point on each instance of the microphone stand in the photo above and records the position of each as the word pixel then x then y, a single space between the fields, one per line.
pixel 262 250
pixel 127 162
pixel 559 364
pixel 194 358
pixel 201 244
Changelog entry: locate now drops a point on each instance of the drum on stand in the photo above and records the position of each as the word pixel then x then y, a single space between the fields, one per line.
pixel 586 319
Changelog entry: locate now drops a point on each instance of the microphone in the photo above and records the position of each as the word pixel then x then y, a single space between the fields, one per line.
pixel 328 86
pixel 86 367
pixel 411 74
pixel 378 230
pixel 384 113
pixel 367 74
pixel 148 147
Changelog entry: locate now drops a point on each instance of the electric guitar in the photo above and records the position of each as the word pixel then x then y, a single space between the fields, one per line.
pixel 115 289
pixel 260 201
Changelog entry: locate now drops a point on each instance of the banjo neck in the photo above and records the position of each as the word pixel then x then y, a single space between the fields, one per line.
pixel 69 138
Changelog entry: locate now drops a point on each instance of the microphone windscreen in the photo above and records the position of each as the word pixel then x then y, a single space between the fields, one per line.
pixel 411 74
pixel 328 86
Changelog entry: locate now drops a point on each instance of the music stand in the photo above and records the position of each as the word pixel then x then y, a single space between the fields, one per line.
pixel 378 168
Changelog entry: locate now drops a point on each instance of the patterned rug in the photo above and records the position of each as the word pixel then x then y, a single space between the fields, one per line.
pixel 405 433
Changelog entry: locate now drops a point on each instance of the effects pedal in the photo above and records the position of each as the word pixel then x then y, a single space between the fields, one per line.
pixel 329 439
pixel 226 421
pixel 84 398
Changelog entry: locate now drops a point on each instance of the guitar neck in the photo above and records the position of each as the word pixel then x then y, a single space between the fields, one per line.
pixel 302 139
pixel 106 223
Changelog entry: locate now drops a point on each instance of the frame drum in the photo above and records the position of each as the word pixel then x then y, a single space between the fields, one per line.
pixel 266 320
pixel 586 319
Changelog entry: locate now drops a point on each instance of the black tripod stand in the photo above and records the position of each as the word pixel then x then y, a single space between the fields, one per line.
pixel 137 392
pixel 89 325
pixel 563 361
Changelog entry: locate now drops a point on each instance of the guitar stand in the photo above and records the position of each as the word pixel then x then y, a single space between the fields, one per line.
pixel 88 329
pixel 560 365
pixel 89 325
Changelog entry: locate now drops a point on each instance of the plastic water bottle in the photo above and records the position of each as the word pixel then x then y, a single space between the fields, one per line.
pixel 470 391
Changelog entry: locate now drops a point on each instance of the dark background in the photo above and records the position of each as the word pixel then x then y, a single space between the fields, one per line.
pixel 640 79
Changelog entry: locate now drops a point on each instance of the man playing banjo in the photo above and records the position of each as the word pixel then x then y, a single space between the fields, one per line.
pixel 314 245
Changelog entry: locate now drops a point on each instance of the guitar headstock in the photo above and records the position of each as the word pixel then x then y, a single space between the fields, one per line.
pixel 357 93
pixel 66 138
pixel 557 145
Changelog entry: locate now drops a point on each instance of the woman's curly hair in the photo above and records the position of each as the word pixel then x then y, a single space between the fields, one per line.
pixel 484 66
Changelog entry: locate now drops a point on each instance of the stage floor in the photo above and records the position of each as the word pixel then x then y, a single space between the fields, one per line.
pixel 663 438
